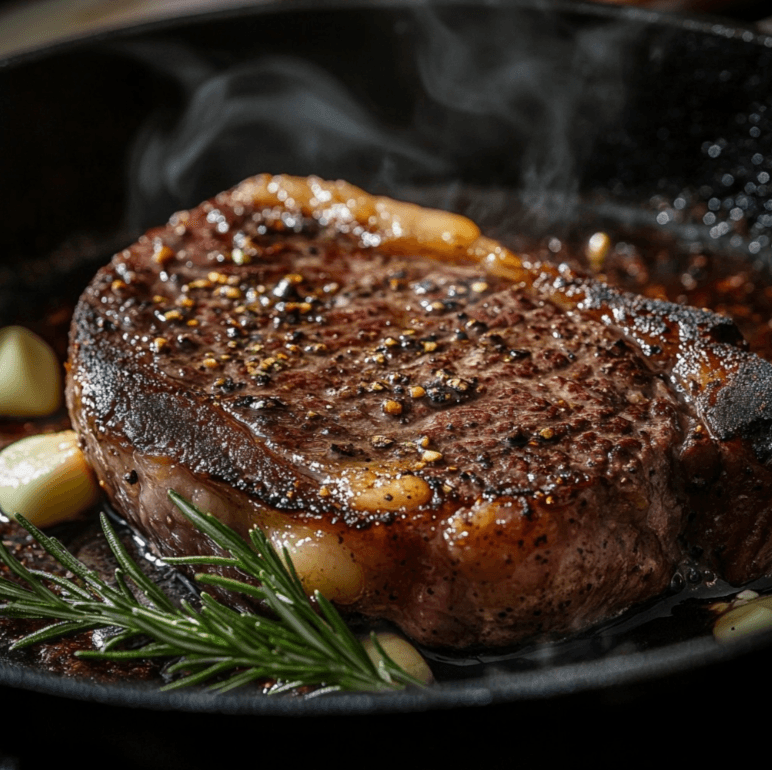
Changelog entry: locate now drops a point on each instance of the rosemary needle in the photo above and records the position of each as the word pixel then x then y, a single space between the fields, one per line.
pixel 300 646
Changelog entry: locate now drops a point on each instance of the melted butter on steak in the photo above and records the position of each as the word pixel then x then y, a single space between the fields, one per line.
pixel 490 451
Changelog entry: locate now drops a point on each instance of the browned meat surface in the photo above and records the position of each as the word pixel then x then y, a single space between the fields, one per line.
pixel 480 450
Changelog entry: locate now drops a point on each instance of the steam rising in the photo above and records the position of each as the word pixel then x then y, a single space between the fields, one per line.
pixel 527 98
pixel 512 106
pixel 278 115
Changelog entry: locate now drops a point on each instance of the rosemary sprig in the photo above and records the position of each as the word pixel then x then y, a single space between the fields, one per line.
pixel 299 647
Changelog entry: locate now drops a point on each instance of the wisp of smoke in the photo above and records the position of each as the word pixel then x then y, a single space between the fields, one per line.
pixel 506 102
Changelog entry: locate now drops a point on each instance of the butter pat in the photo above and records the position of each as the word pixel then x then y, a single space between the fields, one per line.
pixel 46 479
pixel 30 374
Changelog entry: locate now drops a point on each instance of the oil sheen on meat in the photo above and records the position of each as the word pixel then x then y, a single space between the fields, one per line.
pixel 478 449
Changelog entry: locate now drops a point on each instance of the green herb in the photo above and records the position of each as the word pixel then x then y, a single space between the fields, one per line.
pixel 299 647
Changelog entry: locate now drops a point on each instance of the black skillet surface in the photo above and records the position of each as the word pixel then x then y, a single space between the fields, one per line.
pixel 550 112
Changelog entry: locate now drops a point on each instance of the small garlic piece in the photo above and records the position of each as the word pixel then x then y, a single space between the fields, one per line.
pixel 30 374
pixel 597 248
pixel 322 562
pixel 745 617
pixel 46 479
pixel 402 653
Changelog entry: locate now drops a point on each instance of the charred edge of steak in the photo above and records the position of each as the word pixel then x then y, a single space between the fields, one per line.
pixel 743 407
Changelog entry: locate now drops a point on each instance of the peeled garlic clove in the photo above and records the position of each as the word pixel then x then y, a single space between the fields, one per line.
pixel 745 619
pixel 322 563
pixel 30 374
pixel 46 479
pixel 402 653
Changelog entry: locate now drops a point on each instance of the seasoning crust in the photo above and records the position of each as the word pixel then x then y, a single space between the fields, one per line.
pixel 479 449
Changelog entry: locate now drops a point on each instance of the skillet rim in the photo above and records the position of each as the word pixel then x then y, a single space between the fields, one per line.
pixel 495 687
pixel 708 23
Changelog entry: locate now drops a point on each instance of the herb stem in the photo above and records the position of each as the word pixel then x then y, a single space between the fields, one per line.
pixel 299 647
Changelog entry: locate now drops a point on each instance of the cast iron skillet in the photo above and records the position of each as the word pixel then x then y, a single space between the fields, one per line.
pixel 547 113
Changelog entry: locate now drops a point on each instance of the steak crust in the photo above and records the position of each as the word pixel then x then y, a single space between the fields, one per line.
pixel 476 448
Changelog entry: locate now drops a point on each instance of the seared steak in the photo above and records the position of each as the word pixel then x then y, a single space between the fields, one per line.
pixel 478 449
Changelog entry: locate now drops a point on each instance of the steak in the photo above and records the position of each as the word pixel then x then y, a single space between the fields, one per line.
pixel 479 449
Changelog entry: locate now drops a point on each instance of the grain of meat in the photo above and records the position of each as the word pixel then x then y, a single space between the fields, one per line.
pixel 478 449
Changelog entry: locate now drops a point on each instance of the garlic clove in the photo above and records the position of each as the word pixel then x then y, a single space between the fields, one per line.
pixel 744 619
pixel 46 479
pixel 402 653
pixel 321 562
pixel 30 374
